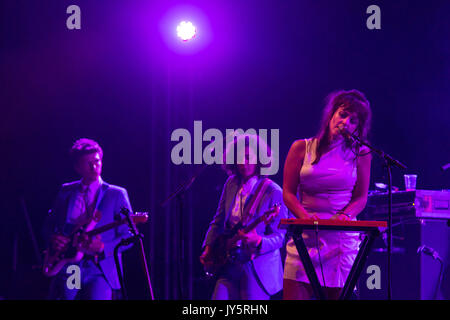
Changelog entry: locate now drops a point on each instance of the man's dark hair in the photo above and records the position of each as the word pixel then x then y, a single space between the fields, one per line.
pixel 252 142
pixel 83 147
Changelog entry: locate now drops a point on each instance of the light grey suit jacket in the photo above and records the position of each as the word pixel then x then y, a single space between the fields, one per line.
pixel 267 263
pixel 111 199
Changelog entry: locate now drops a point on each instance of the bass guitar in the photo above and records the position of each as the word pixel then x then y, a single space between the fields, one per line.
pixel 225 249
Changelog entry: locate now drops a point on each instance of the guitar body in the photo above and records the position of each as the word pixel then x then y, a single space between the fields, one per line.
pixel 218 256
pixel 224 248
pixel 55 260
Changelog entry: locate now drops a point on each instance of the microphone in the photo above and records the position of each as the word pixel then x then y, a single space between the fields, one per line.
pixel 346 134
pixel 429 252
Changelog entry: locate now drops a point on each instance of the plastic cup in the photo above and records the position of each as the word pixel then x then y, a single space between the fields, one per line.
pixel 410 182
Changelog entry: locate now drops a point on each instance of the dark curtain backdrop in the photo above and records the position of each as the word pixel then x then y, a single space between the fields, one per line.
pixel 266 65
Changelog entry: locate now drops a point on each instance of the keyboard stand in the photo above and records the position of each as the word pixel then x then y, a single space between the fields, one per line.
pixel 372 232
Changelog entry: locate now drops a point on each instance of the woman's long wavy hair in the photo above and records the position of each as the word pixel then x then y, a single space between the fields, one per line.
pixel 352 101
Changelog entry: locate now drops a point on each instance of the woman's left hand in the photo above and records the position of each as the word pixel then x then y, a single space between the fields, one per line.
pixel 340 217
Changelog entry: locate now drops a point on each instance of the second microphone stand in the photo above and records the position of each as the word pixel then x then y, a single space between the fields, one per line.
pixel 135 238
pixel 179 195
pixel 389 162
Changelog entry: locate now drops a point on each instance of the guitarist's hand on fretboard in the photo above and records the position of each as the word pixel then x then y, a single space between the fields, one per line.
pixel 251 239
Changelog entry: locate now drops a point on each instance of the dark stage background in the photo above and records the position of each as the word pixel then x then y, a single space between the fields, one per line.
pixel 265 64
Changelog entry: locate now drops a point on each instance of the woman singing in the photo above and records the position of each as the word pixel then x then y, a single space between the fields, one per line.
pixel 327 177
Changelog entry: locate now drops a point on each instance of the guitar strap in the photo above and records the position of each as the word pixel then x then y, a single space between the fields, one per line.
pixel 255 200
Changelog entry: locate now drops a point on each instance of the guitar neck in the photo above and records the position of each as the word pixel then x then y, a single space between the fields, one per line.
pixel 253 225
pixel 106 227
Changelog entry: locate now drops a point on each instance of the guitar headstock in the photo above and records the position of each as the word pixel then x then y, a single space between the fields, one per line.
pixel 139 217
pixel 270 214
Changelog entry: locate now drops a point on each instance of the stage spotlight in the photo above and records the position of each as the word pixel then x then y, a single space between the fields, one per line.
pixel 186 30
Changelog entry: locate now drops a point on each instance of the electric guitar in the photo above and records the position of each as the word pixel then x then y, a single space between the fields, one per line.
pixel 55 260
pixel 224 248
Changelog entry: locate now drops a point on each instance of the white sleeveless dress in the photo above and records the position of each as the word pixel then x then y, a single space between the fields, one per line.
pixel 325 188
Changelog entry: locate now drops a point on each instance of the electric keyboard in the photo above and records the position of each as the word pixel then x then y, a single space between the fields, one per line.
pixel 338 225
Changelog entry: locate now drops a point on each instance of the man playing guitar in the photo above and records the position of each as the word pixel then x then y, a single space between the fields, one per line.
pixel 89 203
pixel 259 276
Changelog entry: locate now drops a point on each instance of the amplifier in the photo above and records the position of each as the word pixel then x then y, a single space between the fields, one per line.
pixel 415 275
pixel 418 203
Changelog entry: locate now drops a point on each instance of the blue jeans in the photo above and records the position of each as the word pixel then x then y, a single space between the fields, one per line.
pixel 94 285
pixel 239 282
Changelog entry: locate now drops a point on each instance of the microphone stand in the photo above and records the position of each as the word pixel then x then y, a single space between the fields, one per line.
pixel 389 162
pixel 179 194
pixel 136 237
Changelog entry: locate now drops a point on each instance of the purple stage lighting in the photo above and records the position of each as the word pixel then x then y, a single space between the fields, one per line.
pixel 180 25
pixel 186 30
pixel 184 35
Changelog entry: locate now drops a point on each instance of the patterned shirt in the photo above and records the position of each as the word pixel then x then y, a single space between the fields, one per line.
pixel 239 201
pixel 85 201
